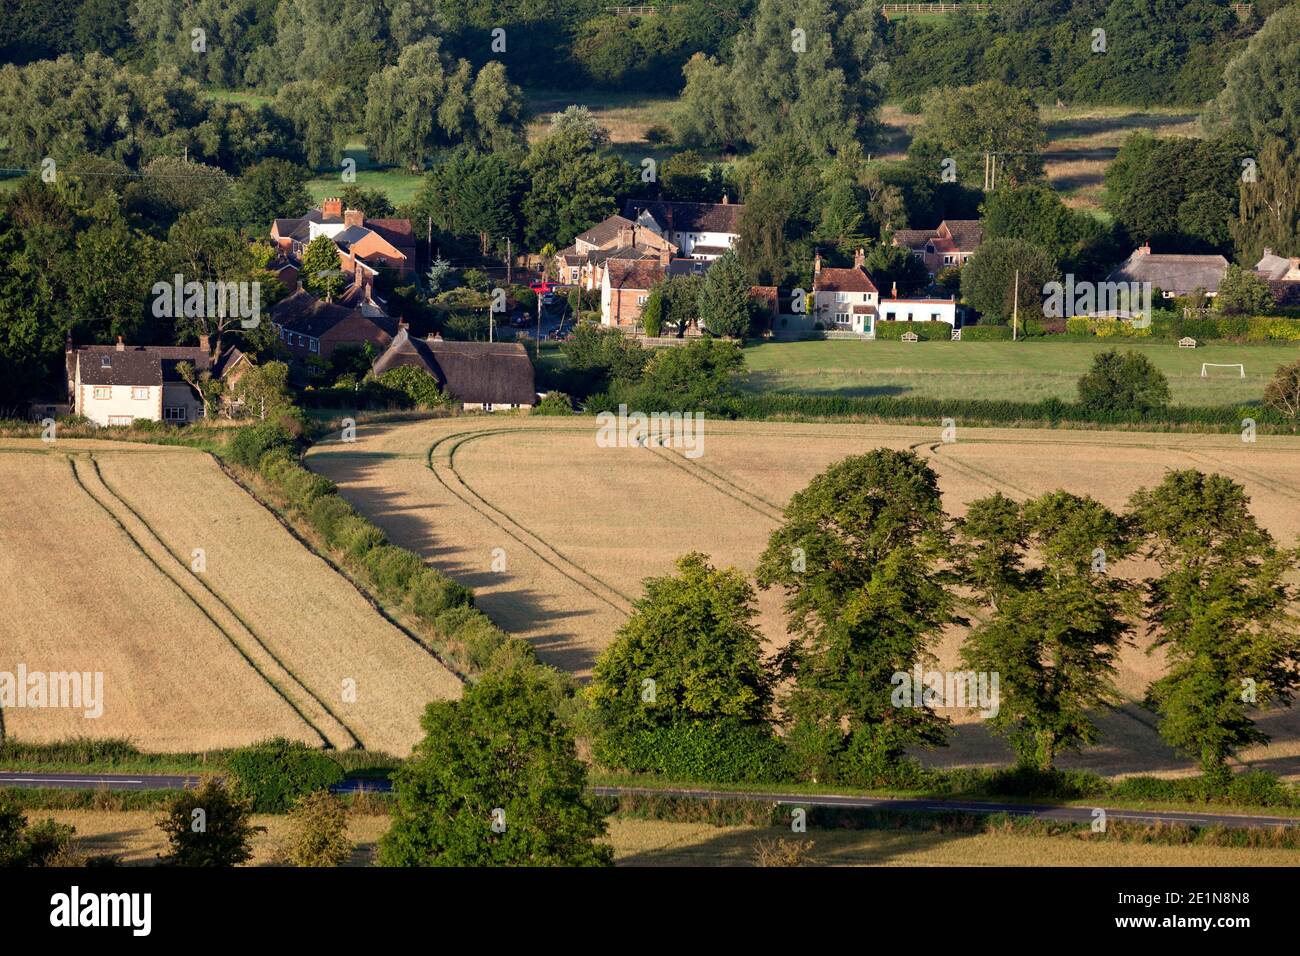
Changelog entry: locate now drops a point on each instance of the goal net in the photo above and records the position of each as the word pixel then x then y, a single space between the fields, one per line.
pixel 1206 366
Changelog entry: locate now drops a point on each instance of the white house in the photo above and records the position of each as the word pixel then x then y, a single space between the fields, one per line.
pixel 919 310
pixel 844 300
pixel 699 230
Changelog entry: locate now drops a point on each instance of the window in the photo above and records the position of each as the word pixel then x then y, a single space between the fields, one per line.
pixel 842 318
pixel 120 419
pixel 314 344
pixel 487 406
pixel 641 299
pixel 140 392
pixel 106 361
pixel 103 391
pixel 889 316
pixel 175 413
pixel 934 316
pixel 947 260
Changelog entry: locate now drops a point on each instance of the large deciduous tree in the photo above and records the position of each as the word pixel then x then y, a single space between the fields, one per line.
pixel 970 122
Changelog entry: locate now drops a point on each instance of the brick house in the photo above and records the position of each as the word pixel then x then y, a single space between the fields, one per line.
pixel 951 243
pixel 1282 273
pixel 582 263
pixel 368 244
pixel 844 300
pixel 120 384
pixel 308 325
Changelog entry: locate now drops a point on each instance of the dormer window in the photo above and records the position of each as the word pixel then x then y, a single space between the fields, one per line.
pixel 106 361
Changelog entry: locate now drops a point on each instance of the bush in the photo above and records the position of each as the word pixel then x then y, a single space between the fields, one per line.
pixel 253 441
pixel 325 515
pixel 357 537
pixel 273 775
pixel 986 333
pixel 432 592
pixel 392 569
pixel 318 828
pixel 554 403
pixel 224 838
pixel 1125 383
pixel 925 331
pixel 1283 392
pixel 717 752
pixel 416 384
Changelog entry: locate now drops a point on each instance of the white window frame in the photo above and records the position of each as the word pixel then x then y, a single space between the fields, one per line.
pixel 121 421
pixel 103 392
pixel 314 344
pixel 135 393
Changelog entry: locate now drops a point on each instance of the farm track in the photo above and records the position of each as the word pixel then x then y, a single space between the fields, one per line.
pixel 444 470
pixel 332 731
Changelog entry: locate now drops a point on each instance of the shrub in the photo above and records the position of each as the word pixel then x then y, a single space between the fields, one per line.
pixel 1283 392
pixel 392 569
pixel 357 536
pixel 326 513
pixel 253 441
pixel 432 593
pixel 1125 383
pixel 273 775
pixel 416 384
pixel 318 828
pixel 224 838
pixel 986 333
pixel 554 403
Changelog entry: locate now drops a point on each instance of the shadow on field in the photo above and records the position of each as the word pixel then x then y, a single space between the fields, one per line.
pixel 774 381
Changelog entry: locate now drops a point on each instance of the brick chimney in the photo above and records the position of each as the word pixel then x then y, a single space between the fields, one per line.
pixel 354 217
pixel 1144 249
pixel 1268 250
pixel 817 264
pixel 725 201
pixel 665 257
pixel 859 258
pixel 625 236
pixel 121 346
pixel 204 343
pixel 332 207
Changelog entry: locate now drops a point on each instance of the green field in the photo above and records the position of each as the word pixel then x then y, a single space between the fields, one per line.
pixel 1016 371
pixel 400 185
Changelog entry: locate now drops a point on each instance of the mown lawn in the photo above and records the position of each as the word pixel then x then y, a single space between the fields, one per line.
pixel 1018 371
pixel 399 184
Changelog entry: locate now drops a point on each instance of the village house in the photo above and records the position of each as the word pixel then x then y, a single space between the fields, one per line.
pixel 951 243
pixel 481 376
pixel 121 384
pixel 582 263
pixel 626 281
pixel 844 300
pixel 308 325
pixel 1282 273
pixel 1174 275
pixel 365 246
pixel 699 230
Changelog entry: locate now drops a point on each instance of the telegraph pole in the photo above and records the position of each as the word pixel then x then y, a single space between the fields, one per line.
pixel 1015 307
pixel 509 259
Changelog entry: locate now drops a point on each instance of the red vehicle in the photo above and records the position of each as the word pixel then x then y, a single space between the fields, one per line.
pixel 543 287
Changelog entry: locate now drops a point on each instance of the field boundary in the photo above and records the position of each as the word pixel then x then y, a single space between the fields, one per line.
pixel 221 599
pixel 280 691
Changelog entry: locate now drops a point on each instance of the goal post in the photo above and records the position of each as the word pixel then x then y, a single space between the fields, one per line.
pixel 1239 366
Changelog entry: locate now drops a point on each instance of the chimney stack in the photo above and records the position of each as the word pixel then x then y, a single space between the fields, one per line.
pixel 625 236
pixel 725 200
pixel 817 264
pixel 859 258
pixel 332 207
pixel 1144 249
pixel 1268 250
pixel 121 346
pixel 204 343
pixel 665 257
pixel 354 217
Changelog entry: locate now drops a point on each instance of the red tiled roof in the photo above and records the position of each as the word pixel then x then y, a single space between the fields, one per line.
pixel 843 280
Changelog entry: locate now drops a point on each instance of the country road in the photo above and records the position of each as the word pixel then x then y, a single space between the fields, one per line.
pixel 1058 812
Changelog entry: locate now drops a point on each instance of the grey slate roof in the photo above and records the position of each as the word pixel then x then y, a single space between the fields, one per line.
pixel 688 216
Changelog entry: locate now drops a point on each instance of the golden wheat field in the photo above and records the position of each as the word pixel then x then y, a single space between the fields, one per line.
pixel 557 533
pixel 213 626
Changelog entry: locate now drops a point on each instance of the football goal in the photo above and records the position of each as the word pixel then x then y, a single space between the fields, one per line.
pixel 1206 366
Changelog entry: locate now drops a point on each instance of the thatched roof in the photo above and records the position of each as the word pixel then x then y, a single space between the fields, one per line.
pixel 474 372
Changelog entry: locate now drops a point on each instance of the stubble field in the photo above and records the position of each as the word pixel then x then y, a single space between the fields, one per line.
pixel 557 534
pixel 212 625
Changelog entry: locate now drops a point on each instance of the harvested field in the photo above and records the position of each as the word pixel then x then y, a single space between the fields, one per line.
pixel 299 633
pixel 581 526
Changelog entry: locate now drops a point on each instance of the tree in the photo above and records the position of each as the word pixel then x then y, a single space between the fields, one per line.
pixel 967 123
pixel 170 186
pixel 857 557
pixel 495 781
pixel 988 280
pixel 1243 293
pixel 321 273
pixel 1283 391
pixel 1269 210
pixel 474 200
pixel 1058 622
pixel 208 827
pixel 373 203
pixel 1127 383
pixel 1037 215
pixel 693 636
pixel 697 377
pixel 573 184
pixel 427 101
pixel 682 301
pixel 724 298
pixel 263 391
pixel 652 313
pixel 318 825
pixel 320 113
pixel 439 276
pixel 272 189
pixel 891 265
pixel 1259 96
pixel 1222 613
